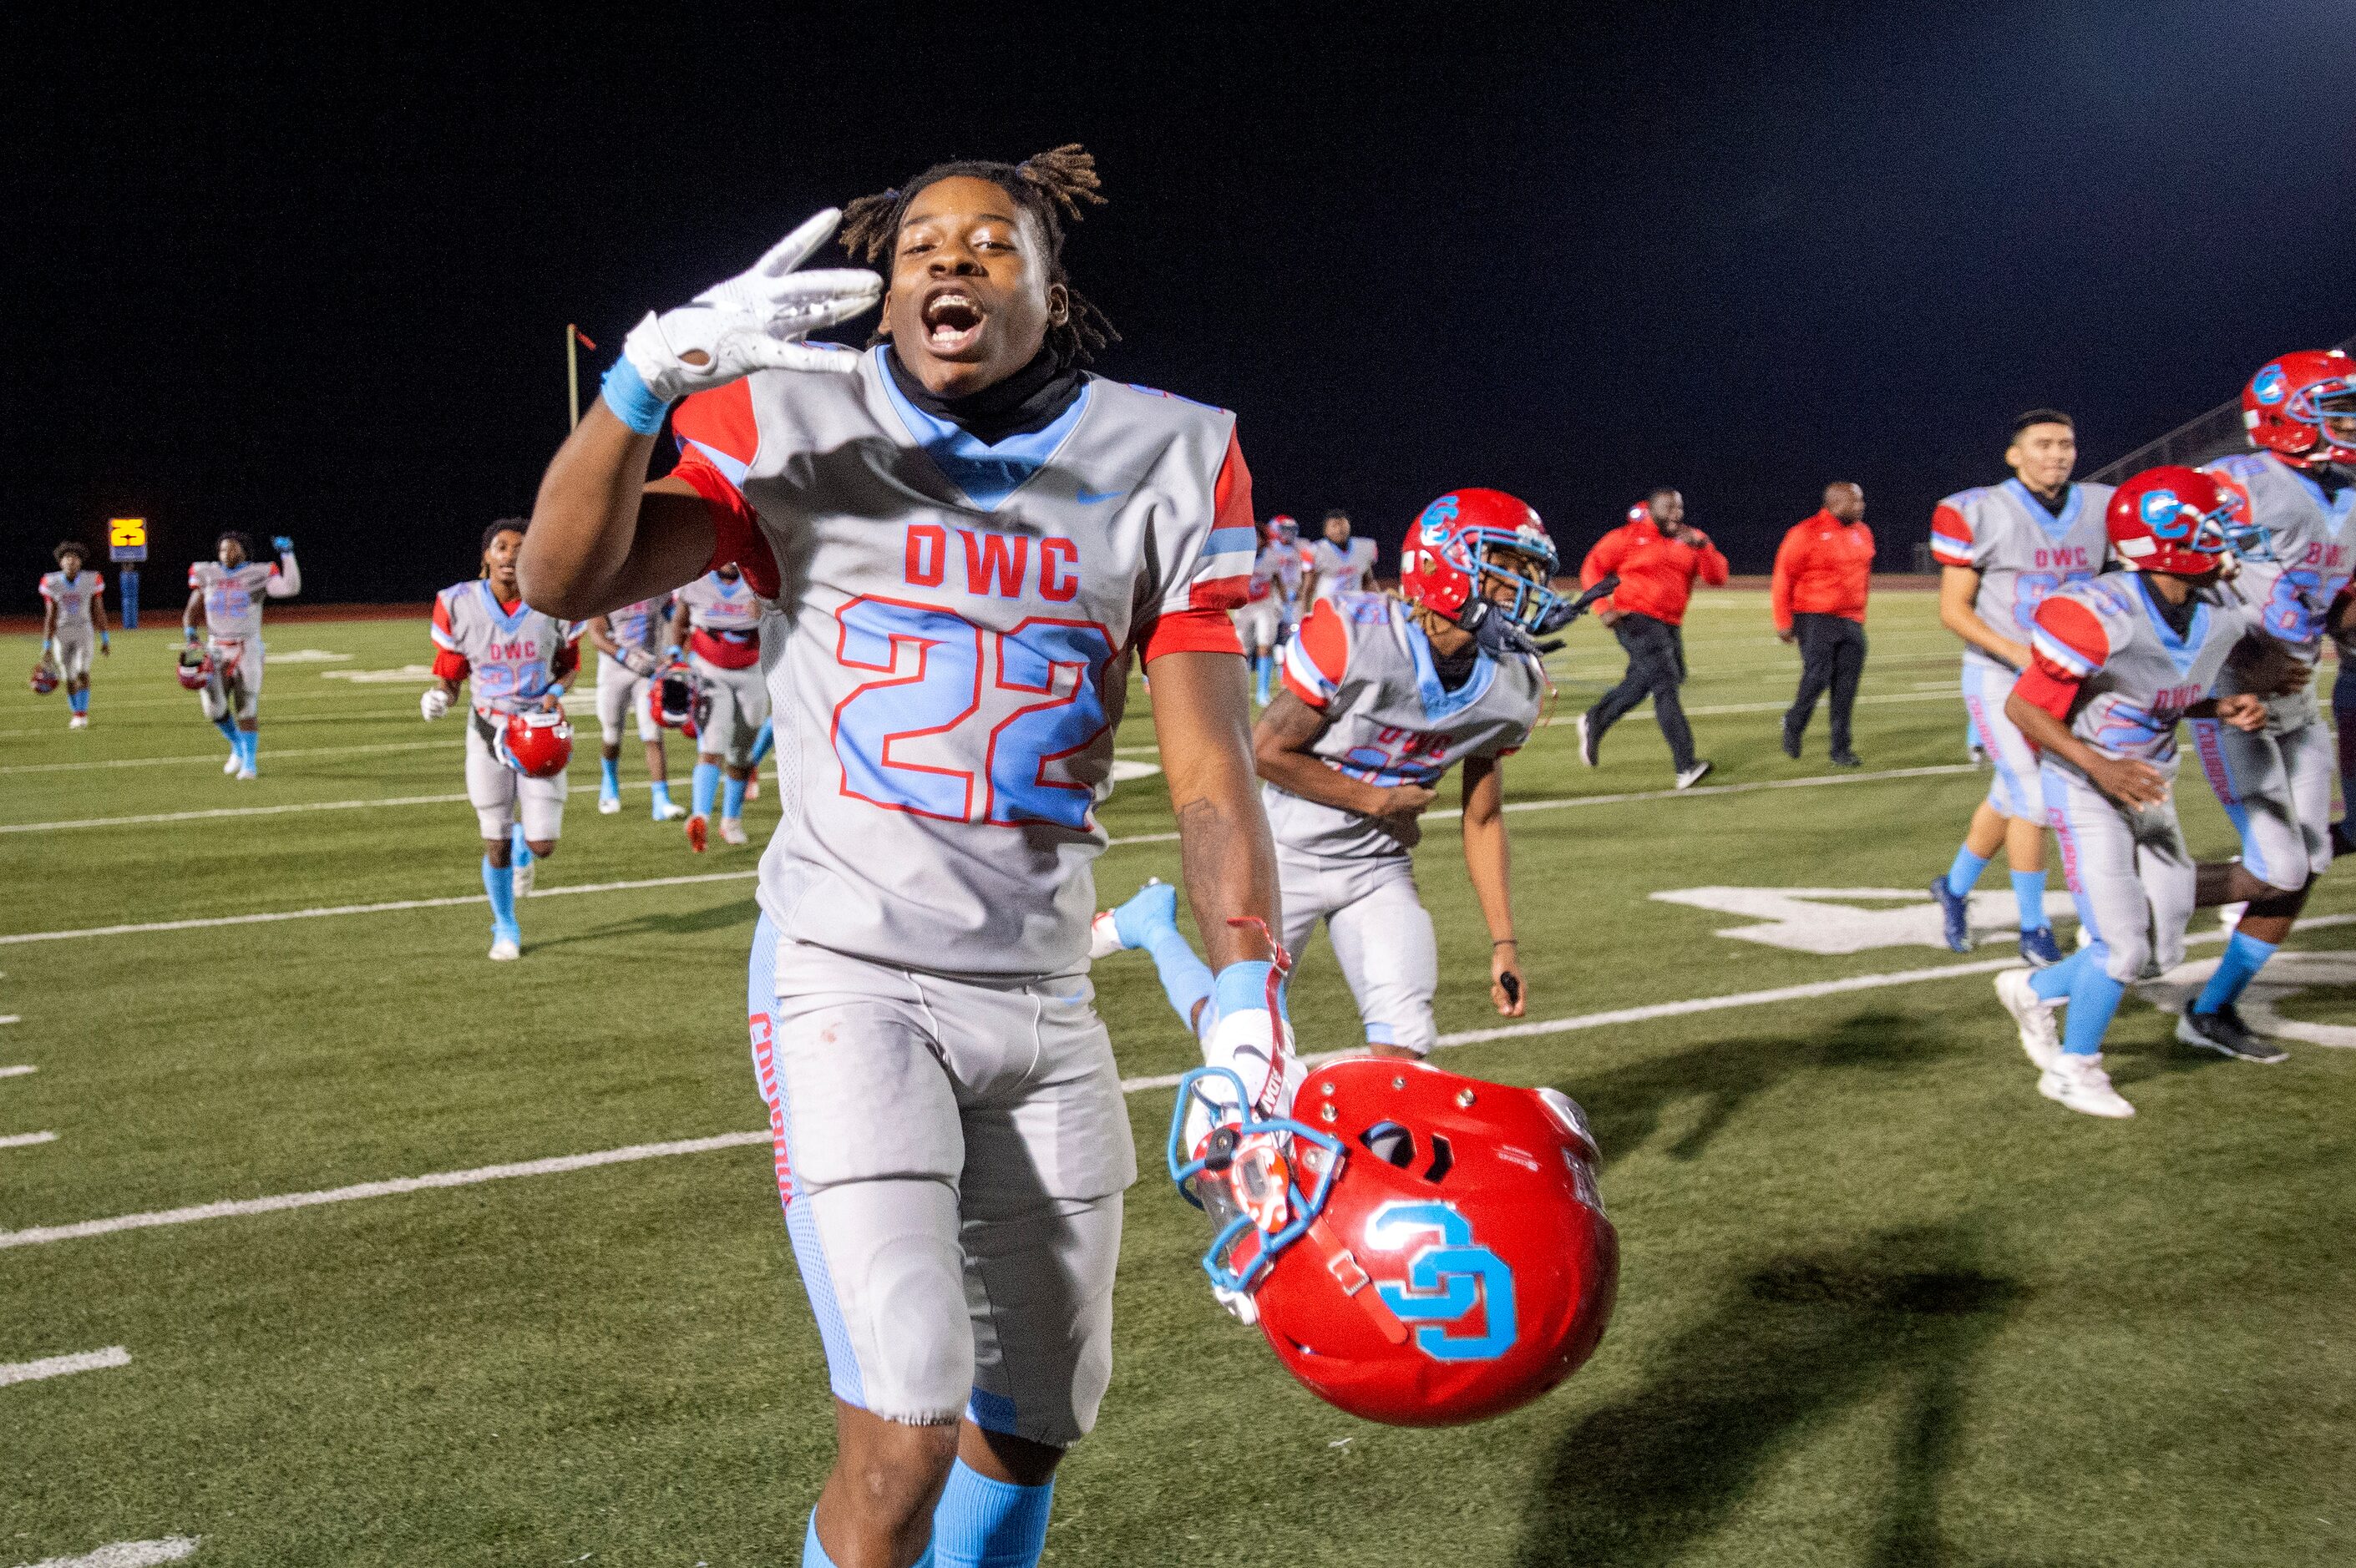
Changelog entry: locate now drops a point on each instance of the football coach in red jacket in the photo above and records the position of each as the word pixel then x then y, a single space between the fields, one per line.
pixel 1656 557
pixel 1821 572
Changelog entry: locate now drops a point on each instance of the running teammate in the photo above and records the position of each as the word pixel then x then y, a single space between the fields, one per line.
pixel 2117 659
pixel 626 643
pixel 1381 698
pixel 230 589
pixel 967 539
pixel 1339 563
pixel 2001 550
pixel 518 662
pixel 1266 617
pixel 718 619
pixel 2295 548
pixel 74 611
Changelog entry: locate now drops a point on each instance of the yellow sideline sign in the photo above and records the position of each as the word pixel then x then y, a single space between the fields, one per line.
pixel 126 533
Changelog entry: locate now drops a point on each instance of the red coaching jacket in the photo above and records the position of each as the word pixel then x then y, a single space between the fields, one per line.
pixel 1657 572
pixel 1823 567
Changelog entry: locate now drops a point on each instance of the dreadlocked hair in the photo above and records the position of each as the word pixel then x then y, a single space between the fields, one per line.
pixel 1050 187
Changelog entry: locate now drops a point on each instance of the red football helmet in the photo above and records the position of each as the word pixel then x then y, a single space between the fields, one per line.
pixel 195 666
pixel 45 676
pixel 676 699
pixel 2303 407
pixel 1452 552
pixel 1283 529
pixel 537 745
pixel 1423 1249
pixel 2170 518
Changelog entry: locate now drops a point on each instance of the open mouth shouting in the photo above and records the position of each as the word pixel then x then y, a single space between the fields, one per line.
pixel 953 321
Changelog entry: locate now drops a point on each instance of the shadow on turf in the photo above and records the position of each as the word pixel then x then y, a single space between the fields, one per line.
pixel 1641 1481
pixel 1625 1104
pixel 719 917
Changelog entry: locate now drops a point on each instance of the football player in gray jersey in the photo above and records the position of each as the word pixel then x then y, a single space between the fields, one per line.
pixel 967 539
pixel 1382 696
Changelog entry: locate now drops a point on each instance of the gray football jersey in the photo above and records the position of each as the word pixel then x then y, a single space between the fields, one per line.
pixel 2021 552
pixel 72 596
pixel 949 645
pixel 1362 662
pixel 2307 534
pixel 234 595
pixel 511 654
pixel 2135 677
pixel 1347 569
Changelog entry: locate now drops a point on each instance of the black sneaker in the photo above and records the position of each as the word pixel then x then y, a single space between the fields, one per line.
pixel 1791 741
pixel 2224 1032
pixel 1847 760
pixel 2343 838
pixel 1587 739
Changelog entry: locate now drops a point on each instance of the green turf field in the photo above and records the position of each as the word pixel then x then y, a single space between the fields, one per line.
pixel 1882 1304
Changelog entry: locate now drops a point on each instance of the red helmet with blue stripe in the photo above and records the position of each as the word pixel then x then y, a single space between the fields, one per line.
pixel 1463 543
pixel 2171 518
pixel 45 676
pixel 537 745
pixel 1283 529
pixel 2302 407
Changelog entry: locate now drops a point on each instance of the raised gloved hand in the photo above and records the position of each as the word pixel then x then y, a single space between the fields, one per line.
pixel 434 703
pixel 282 544
pixel 754 321
pixel 638 661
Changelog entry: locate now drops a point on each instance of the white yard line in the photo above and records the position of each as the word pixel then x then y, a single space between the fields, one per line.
pixel 26 1140
pixel 16 1072
pixel 11 1018
pixel 215 757
pixel 63 1366
pixel 155 817
pixel 128 1554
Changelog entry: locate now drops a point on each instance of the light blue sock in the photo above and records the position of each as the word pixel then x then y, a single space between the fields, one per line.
pixel 2053 982
pixel 2094 1002
pixel 518 851
pixel 1965 871
pixel 79 699
pixel 499 882
pixel 705 784
pixel 983 1523
pixel 661 788
pixel 732 799
pixel 814 1555
pixel 609 776
pixel 229 733
pixel 765 742
pixel 2245 956
pixel 1240 987
pixel 249 747
pixel 1185 978
pixel 1263 666
pixel 2029 892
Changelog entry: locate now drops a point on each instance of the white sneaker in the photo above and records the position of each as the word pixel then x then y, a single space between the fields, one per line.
pixel 2032 1012
pixel 229 767
pixel 504 948
pixel 1103 940
pixel 526 874
pixel 246 776
pixel 79 722
pixel 609 806
pixel 732 831
pixel 1693 775
pixel 2080 1084
pixel 668 811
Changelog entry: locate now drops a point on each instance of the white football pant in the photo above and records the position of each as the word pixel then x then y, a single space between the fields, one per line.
pixel 73 650
pixel 740 705
pixel 2128 871
pixel 498 792
pixel 2014 789
pixel 619 693
pixel 235 689
pixel 1382 937
pixel 2277 789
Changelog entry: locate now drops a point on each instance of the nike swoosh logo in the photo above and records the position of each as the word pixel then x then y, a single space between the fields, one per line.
pixel 1089 497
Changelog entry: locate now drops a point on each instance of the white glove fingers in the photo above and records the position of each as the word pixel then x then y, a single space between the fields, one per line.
pixel 798 247
pixel 771 353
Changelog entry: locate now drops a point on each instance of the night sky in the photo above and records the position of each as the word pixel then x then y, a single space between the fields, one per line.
pixel 316 282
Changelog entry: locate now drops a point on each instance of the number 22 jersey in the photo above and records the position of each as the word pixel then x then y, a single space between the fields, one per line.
pixel 950 642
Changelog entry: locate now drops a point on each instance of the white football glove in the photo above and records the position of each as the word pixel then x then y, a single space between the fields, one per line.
pixel 1243 1043
pixel 638 661
pixel 754 320
pixel 434 704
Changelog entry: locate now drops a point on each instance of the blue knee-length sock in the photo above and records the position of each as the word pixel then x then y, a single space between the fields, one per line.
pixel 1263 666
pixel 1965 871
pixel 2245 956
pixel 732 799
pixel 2029 892
pixel 79 699
pixel 705 785
pixel 229 733
pixel 661 788
pixel 609 776
pixel 519 848
pixel 499 882
pixel 2093 996
pixel 249 747
pixel 764 742
pixel 2053 982
pixel 983 1523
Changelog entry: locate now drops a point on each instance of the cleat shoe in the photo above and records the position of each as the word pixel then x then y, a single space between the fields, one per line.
pixel 1150 907
pixel 1104 937
pixel 1847 760
pixel 231 766
pixel 2224 1032
pixel 732 831
pixel 609 806
pixel 247 775
pixel 2343 839
pixel 1587 739
pixel 504 947
pixel 753 785
pixel 697 833
pixel 1693 775
pixel 2039 948
pixel 668 811
pixel 2039 1038
pixel 79 722
pixel 1955 915
pixel 1791 741
pixel 2080 1084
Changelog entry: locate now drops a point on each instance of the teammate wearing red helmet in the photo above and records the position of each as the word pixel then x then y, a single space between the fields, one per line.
pixel 2117 660
pixel 1382 696
pixel 2292 531
pixel 518 661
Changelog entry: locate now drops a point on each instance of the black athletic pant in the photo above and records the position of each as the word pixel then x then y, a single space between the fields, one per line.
pixel 1656 665
pixel 1832 654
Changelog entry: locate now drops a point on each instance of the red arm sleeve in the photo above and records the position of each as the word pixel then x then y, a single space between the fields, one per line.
pixel 1713 569
pixel 1602 561
pixel 2039 687
pixel 737 537
pixel 1190 631
pixel 1779 589
pixel 450 667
